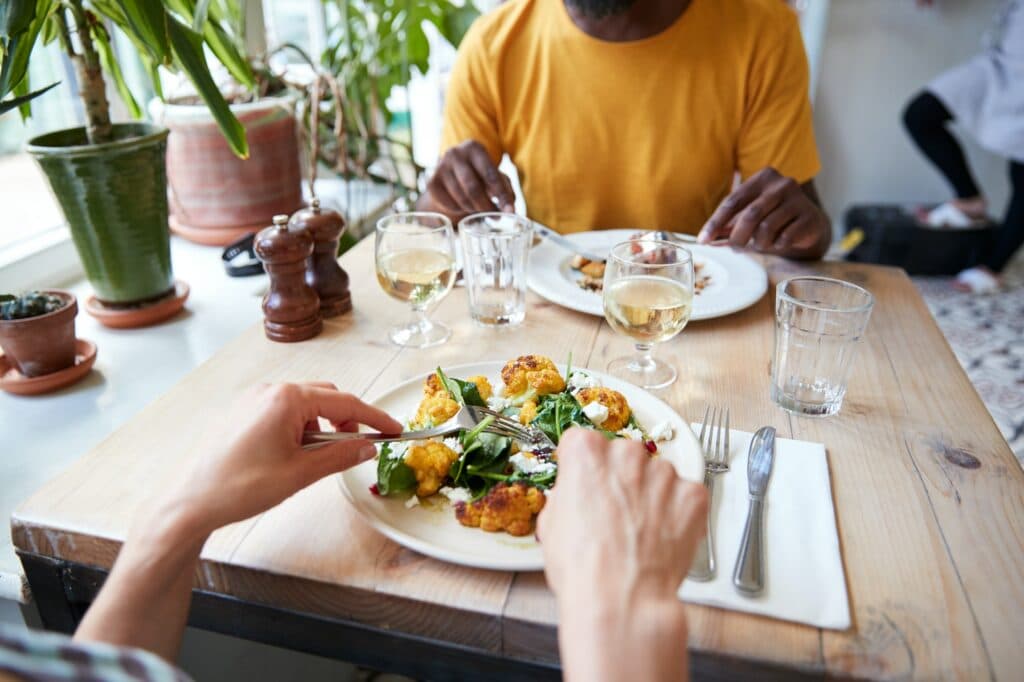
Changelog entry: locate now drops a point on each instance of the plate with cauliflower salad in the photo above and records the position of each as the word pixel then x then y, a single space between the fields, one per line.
pixel 473 497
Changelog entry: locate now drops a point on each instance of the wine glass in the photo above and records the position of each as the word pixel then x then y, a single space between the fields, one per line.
pixel 648 295
pixel 415 256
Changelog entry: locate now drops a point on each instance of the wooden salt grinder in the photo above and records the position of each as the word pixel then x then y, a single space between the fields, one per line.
pixel 291 308
pixel 323 273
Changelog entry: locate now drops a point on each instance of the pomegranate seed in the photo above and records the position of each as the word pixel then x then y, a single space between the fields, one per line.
pixel 651 446
pixel 375 490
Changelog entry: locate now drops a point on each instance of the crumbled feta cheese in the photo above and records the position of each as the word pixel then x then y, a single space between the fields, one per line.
pixel 580 380
pixel 453 444
pixel 413 501
pixel 631 432
pixel 596 412
pixel 399 448
pixel 497 403
pixel 531 465
pixel 662 431
pixel 455 495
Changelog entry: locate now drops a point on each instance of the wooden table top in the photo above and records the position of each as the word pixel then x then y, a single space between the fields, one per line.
pixel 929 498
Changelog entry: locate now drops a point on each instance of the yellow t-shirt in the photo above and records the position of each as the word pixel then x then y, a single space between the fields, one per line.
pixel 645 134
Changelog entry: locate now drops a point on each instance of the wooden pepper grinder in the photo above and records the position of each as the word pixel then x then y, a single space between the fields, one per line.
pixel 323 273
pixel 291 307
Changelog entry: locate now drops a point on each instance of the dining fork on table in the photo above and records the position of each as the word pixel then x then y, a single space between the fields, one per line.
pixel 467 418
pixel 714 442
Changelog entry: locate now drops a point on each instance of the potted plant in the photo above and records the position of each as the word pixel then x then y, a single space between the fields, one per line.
pixel 372 48
pixel 215 196
pixel 109 178
pixel 37 331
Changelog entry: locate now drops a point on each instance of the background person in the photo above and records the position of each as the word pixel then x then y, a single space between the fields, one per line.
pixel 985 95
pixel 639 114
pixel 616 588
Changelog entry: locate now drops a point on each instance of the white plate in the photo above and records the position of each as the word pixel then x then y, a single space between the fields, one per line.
pixel 737 281
pixel 433 530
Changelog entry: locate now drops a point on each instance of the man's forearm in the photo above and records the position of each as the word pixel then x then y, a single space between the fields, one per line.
pixel 145 600
pixel 644 641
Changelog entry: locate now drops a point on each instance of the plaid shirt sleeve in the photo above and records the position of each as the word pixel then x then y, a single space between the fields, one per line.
pixel 32 655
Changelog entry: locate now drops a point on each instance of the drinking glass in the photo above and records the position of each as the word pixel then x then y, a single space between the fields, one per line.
pixel 648 296
pixel 495 250
pixel 818 324
pixel 415 256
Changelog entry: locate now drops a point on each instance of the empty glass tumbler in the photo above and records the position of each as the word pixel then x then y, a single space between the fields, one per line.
pixel 818 325
pixel 495 250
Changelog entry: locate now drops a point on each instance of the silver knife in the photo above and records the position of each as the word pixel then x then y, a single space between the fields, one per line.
pixel 567 244
pixel 748 577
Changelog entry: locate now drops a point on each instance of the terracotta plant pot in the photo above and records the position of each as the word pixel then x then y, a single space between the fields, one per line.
pixel 217 197
pixel 43 344
pixel 114 197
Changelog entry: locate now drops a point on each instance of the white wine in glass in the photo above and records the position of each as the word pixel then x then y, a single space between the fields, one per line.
pixel 648 296
pixel 415 258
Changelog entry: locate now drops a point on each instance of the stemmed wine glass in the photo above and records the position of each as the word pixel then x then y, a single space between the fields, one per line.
pixel 648 296
pixel 415 257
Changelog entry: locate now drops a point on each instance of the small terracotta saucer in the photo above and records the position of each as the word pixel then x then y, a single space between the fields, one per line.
pixel 142 315
pixel 13 381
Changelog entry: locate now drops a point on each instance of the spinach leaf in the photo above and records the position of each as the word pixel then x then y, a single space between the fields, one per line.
pixel 557 413
pixel 393 474
pixel 463 392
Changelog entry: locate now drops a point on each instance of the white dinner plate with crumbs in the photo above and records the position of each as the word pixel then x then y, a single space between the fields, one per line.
pixel 734 281
pixel 431 527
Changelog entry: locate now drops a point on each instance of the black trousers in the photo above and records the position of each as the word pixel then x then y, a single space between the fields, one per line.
pixel 926 118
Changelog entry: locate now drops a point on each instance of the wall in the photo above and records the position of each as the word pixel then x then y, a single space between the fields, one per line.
pixel 878 54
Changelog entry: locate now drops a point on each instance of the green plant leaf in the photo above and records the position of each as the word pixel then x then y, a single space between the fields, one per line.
pixel 102 42
pixel 22 101
pixel 199 18
pixel 149 21
pixel 51 30
pixel 17 48
pixel 456 22
pixel 187 47
pixel 16 16
pixel 217 38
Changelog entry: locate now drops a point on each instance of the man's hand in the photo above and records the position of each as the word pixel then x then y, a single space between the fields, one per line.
pixel 775 215
pixel 253 459
pixel 466 181
pixel 618 533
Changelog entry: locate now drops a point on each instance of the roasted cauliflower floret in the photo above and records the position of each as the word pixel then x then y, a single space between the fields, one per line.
pixel 528 412
pixel 529 376
pixel 613 401
pixel 438 406
pixel 430 462
pixel 483 386
pixel 510 508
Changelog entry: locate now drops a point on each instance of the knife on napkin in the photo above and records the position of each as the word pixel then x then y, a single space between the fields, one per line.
pixel 748 577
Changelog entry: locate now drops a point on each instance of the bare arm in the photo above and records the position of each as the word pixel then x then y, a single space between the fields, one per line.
pixel 145 601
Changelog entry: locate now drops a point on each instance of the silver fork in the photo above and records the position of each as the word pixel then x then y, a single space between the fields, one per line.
pixel 714 441
pixel 507 426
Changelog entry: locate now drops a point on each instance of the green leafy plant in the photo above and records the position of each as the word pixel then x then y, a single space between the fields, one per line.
pixel 373 47
pixel 32 304
pixel 168 33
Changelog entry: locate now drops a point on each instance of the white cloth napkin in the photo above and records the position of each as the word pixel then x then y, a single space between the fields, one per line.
pixel 804 579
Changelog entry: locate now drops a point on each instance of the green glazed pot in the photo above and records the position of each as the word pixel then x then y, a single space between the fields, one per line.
pixel 114 197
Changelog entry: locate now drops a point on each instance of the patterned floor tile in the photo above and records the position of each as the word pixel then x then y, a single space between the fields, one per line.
pixel 987 335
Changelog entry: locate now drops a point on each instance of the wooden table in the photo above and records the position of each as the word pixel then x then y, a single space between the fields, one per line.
pixel 929 499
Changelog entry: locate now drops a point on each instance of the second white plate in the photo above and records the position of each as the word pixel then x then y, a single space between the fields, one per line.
pixel 737 281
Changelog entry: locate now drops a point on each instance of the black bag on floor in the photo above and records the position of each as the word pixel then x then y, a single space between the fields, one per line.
pixel 893 236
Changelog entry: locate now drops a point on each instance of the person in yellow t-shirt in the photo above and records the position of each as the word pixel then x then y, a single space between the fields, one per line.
pixel 637 114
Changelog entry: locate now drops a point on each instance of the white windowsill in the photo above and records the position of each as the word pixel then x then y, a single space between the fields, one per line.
pixel 47 259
